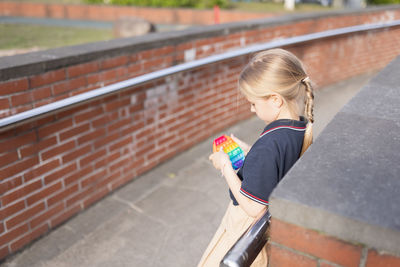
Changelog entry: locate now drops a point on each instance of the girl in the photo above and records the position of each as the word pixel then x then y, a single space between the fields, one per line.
pixel 280 93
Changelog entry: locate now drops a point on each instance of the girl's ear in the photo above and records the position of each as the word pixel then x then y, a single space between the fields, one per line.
pixel 277 100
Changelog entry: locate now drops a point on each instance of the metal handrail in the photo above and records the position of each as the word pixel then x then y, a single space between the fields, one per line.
pixel 249 245
pixel 23 117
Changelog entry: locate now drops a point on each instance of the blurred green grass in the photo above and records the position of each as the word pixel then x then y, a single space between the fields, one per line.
pixel 25 36
pixel 273 7
pixel 17 36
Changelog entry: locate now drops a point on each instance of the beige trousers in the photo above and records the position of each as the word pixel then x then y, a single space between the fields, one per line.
pixel 234 223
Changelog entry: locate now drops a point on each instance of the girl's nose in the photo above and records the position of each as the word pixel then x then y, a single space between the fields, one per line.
pixel 252 109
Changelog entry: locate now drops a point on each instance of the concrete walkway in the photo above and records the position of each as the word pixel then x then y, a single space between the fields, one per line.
pixel 165 217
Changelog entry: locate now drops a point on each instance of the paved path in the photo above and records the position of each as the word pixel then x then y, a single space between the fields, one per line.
pixel 165 217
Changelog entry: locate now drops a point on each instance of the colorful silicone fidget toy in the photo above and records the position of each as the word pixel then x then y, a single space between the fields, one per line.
pixel 231 148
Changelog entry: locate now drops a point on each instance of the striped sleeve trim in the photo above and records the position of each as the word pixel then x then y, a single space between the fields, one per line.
pixel 256 199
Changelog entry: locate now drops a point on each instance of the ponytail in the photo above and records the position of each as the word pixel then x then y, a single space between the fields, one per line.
pixel 309 113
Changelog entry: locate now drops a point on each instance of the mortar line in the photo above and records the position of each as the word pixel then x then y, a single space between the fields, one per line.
pixel 364 255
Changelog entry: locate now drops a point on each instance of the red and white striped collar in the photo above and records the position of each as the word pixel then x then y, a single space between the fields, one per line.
pixel 285 124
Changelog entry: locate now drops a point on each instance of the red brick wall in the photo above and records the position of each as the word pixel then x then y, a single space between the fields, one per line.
pixel 58 165
pixel 292 245
pixel 111 13
pixel 324 61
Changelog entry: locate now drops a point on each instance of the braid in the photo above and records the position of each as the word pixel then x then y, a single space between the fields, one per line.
pixel 309 107
pixel 309 112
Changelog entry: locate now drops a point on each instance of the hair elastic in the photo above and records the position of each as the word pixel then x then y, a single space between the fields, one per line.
pixel 306 79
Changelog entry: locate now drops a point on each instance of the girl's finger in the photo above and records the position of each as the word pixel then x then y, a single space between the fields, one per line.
pixel 211 157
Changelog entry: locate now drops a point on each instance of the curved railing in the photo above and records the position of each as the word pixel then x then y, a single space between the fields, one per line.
pixel 246 249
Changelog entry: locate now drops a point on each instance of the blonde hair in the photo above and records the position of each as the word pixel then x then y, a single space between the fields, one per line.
pixel 279 71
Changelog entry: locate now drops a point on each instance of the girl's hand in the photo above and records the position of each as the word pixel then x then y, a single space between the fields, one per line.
pixel 245 147
pixel 220 159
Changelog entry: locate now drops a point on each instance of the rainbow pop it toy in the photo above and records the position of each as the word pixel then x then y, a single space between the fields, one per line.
pixel 231 148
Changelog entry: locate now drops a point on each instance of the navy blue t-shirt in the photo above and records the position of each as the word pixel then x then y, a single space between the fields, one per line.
pixel 270 158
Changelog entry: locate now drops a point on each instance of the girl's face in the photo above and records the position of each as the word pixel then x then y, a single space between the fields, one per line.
pixel 267 108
